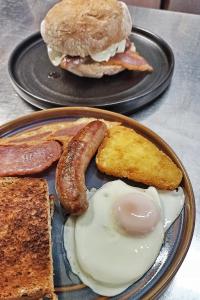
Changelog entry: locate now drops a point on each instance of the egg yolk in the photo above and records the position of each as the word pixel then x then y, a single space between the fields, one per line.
pixel 136 213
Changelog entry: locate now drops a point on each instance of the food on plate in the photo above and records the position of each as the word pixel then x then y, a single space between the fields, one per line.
pixel 70 172
pixel 123 225
pixel 28 159
pixel 119 237
pixel 25 239
pixel 59 131
pixel 90 38
pixel 35 149
pixel 125 153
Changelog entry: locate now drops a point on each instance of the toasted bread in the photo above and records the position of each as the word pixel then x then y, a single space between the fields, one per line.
pixel 124 153
pixel 25 239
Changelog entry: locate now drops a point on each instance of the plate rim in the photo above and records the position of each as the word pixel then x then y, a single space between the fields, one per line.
pixel 158 89
pixel 188 230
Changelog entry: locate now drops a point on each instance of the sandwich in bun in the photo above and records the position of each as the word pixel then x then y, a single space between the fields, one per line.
pixel 90 38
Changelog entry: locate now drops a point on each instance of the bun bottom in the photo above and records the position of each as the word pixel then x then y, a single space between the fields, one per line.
pixel 93 70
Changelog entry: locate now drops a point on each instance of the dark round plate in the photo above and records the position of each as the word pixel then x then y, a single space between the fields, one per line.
pixel 31 73
pixel 177 239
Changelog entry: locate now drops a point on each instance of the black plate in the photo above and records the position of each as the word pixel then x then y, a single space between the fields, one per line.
pixel 30 67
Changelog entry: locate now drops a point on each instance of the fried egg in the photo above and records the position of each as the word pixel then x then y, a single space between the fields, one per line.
pixel 119 237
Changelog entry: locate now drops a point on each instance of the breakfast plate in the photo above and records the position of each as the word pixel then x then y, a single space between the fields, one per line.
pixel 38 82
pixel 177 239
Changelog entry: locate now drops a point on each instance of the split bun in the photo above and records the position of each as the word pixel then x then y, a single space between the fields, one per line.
pixel 85 27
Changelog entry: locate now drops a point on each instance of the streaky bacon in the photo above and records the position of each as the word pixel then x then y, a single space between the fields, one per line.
pixel 31 138
pixel 130 60
pixel 70 131
pixel 44 133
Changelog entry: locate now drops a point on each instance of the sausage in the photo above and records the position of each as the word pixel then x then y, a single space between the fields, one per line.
pixel 28 159
pixel 70 172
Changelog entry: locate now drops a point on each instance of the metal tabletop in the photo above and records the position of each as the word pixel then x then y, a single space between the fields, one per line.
pixel 175 116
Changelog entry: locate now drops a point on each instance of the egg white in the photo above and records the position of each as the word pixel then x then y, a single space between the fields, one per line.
pixel 106 54
pixel 55 56
pixel 172 203
pixel 98 229
pixel 105 259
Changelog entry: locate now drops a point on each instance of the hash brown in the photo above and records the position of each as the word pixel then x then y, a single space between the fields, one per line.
pixel 125 153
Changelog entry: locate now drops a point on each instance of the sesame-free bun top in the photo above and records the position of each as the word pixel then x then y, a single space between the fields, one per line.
pixel 84 27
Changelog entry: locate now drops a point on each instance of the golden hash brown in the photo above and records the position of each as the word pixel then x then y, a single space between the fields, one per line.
pixel 124 153
pixel 25 239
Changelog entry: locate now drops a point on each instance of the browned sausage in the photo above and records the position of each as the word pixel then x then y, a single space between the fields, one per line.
pixel 70 173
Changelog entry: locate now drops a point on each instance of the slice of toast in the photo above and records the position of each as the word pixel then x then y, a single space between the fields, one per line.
pixel 26 270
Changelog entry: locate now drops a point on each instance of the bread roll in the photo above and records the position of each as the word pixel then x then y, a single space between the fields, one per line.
pixel 85 27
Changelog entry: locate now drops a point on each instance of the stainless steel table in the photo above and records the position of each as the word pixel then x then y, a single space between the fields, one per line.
pixel 175 116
